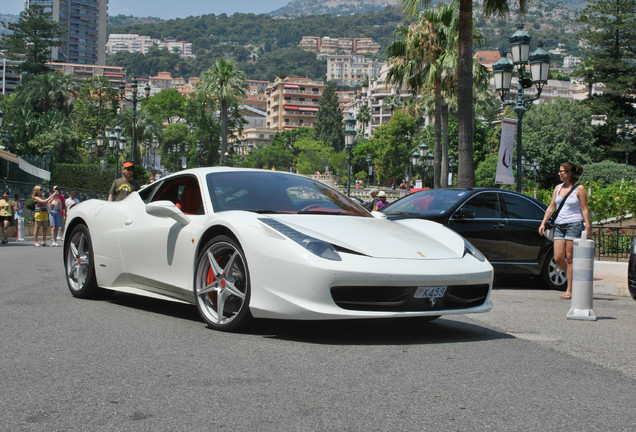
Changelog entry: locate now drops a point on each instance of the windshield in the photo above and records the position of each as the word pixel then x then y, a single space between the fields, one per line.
pixel 429 202
pixel 277 192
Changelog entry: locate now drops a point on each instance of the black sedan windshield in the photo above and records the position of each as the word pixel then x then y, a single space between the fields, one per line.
pixel 431 202
pixel 277 192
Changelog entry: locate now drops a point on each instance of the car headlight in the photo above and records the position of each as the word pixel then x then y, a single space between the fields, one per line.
pixel 469 248
pixel 317 247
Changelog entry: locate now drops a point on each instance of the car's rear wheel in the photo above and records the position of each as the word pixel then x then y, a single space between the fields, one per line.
pixel 79 264
pixel 222 285
pixel 553 277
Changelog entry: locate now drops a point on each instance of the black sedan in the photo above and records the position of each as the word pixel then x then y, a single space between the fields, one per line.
pixel 502 224
pixel 631 272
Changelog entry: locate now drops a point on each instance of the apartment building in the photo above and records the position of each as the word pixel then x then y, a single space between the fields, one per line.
pixel 10 76
pixel 115 74
pixel 292 102
pixel 84 22
pixel 332 45
pixel 352 70
pixel 131 42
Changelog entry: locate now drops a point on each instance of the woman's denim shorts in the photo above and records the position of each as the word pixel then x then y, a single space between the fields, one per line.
pixel 568 231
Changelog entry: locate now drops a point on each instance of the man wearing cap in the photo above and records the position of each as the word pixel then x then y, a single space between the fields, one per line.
pixel 124 186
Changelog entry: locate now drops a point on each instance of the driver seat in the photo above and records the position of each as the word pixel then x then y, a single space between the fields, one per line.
pixel 190 202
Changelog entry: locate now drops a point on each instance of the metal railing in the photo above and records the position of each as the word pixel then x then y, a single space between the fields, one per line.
pixel 613 243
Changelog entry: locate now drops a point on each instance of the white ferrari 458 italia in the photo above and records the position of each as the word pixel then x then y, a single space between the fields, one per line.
pixel 245 243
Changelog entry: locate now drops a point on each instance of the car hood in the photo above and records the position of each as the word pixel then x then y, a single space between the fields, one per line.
pixel 380 238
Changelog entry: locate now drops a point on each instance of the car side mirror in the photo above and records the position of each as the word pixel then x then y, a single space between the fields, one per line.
pixel 465 214
pixel 167 209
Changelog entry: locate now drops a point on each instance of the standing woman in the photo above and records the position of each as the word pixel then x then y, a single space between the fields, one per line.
pixel 41 214
pixel 5 216
pixel 569 222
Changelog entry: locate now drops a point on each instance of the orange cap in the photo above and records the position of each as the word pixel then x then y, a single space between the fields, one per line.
pixel 127 164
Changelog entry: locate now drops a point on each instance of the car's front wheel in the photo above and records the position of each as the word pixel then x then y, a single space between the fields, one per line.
pixel 553 277
pixel 79 264
pixel 222 285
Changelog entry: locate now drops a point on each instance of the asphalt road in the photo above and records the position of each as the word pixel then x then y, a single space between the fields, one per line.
pixel 136 364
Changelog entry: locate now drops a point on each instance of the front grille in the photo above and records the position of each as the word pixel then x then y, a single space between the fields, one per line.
pixel 400 299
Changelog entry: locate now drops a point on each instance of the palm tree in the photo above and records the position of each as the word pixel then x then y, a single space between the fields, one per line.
pixel 465 114
pixel 420 61
pixel 364 117
pixel 392 103
pixel 227 84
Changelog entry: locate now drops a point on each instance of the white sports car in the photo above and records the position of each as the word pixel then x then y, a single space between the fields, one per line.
pixel 242 244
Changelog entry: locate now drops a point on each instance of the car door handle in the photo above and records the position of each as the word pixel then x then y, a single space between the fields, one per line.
pixel 500 225
pixel 128 221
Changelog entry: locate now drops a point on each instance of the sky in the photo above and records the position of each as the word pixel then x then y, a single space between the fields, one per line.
pixel 168 9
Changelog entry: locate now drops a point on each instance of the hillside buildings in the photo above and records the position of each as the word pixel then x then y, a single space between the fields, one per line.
pixel 130 42
pixel 292 102
pixel 345 45
pixel 352 70
pixel 84 22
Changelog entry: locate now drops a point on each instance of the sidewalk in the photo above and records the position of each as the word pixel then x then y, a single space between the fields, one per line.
pixel 610 278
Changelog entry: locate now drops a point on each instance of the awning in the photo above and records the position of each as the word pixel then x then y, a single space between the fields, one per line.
pixel 291 107
pixel 25 166
pixel 292 86
pixel 308 108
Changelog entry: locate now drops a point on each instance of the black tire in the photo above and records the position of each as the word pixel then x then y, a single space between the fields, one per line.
pixel 552 276
pixel 222 285
pixel 79 264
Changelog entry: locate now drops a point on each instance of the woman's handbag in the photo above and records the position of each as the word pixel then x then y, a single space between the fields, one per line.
pixel 549 224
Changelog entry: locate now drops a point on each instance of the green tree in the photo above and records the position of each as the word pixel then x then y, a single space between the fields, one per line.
pixel 610 30
pixel 96 106
pixel 167 106
pixel 328 126
pixel 548 137
pixel 31 39
pixel 392 147
pixel 465 113
pixel 174 137
pixel 418 61
pixel 311 154
pixel 227 84
pixel 364 117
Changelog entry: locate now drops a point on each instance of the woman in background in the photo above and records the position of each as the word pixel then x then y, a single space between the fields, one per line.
pixel 569 222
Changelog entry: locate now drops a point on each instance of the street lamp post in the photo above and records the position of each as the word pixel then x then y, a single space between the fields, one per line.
pixel 452 163
pixel 350 135
pixel 116 143
pixel 134 100
pixel 370 167
pixel 539 62
pixel 626 133
pixel 533 167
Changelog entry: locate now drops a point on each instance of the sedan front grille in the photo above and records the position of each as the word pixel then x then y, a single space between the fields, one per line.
pixel 401 299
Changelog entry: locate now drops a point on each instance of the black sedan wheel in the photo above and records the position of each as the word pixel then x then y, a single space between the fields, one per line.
pixel 553 277
pixel 79 264
pixel 222 285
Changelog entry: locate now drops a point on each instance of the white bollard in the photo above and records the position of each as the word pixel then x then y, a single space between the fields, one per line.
pixel 20 233
pixel 582 280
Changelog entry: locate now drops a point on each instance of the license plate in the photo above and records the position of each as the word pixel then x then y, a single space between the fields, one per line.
pixel 430 292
